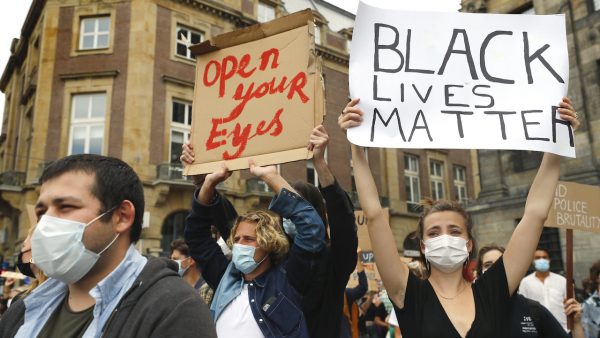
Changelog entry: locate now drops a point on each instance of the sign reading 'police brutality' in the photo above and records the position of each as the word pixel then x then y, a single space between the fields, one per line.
pixel 258 94
pixel 576 206
pixel 459 80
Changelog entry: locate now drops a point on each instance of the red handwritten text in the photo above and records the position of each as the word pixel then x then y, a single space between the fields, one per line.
pixel 225 70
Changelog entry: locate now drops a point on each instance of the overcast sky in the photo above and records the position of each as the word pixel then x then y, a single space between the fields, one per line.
pixel 12 16
pixel 348 5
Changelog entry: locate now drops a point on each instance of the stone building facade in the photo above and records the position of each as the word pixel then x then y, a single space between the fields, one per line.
pixel 505 176
pixel 114 77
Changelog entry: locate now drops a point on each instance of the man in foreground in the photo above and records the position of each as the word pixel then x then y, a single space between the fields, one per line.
pixel 90 212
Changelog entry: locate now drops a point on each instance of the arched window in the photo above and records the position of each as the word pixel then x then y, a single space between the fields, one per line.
pixel 172 229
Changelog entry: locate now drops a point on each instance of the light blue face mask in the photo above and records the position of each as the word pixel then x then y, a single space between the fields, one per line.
pixel 541 264
pixel 243 258
pixel 289 228
pixel 181 271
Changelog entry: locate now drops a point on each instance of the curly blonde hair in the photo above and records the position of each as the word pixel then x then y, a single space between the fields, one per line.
pixel 269 233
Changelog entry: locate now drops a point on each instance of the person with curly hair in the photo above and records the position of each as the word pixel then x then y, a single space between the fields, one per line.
pixel 259 293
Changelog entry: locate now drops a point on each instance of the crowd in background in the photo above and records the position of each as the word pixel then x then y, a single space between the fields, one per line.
pixel 281 272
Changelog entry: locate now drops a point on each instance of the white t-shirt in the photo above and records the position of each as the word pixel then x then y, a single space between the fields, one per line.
pixel 550 293
pixel 392 319
pixel 237 317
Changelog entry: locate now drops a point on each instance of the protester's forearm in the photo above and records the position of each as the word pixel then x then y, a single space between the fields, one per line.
pixel 326 177
pixel 541 193
pixel 206 193
pixel 276 183
pixel 365 184
pixel 525 238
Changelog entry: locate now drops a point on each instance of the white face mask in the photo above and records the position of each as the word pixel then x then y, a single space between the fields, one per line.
pixel 446 253
pixel 58 250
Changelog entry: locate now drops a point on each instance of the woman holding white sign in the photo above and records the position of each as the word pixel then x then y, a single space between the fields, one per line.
pixel 455 306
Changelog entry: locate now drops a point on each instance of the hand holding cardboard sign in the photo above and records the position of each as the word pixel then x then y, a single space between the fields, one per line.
pixel 261 172
pixel 318 142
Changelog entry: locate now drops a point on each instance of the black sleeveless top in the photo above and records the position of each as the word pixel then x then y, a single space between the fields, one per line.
pixel 424 317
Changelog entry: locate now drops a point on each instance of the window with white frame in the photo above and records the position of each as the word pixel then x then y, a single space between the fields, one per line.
pixel 460 183
pixel 181 123
pixel 265 12
pixel 185 37
pixel 411 179
pixel 436 175
pixel 94 32
pixel 88 113
pixel 597 5
pixel 317 34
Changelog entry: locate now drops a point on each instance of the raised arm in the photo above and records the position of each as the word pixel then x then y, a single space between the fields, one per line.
pixel 318 144
pixel 524 240
pixel 393 273
pixel 340 211
pixel 270 176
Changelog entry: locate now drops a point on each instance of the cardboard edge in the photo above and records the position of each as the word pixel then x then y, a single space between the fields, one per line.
pixel 242 163
pixel 254 32
pixel 319 95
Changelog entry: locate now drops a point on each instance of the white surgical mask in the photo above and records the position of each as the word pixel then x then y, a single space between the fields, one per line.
pixel 58 250
pixel 446 253
pixel 181 271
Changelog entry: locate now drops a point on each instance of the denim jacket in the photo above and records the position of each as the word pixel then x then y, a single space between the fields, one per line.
pixel 275 296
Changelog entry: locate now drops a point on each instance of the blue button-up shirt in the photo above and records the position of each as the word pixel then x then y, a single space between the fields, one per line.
pixel 46 298
pixel 591 316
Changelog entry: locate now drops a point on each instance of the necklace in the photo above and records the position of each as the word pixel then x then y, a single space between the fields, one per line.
pixel 451 298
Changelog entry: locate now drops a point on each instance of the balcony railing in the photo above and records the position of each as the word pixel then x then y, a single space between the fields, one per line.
pixel 257 186
pixel 384 200
pixel 171 172
pixel 12 178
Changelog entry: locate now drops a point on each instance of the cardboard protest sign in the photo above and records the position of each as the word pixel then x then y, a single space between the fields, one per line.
pixel 576 206
pixel 364 241
pixel 258 94
pixel 373 278
pixel 460 80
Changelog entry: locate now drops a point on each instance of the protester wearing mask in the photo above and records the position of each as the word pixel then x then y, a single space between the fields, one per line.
pixel 447 304
pixel 529 318
pixel 28 269
pixel 90 212
pixel 324 303
pixel 258 293
pixel 349 327
pixel 591 306
pixel 546 287
pixel 189 270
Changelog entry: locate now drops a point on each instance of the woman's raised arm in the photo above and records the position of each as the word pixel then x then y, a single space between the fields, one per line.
pixel 524 240
pixel 393 273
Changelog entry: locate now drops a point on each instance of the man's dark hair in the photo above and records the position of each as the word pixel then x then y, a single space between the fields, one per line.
pixel 115 182
pixel 544 249
pixel 179 245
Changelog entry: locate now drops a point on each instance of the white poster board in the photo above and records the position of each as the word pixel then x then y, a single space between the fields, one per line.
pixel 460 81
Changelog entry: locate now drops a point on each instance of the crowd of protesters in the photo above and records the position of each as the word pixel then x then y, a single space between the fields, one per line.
pixel 281 272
